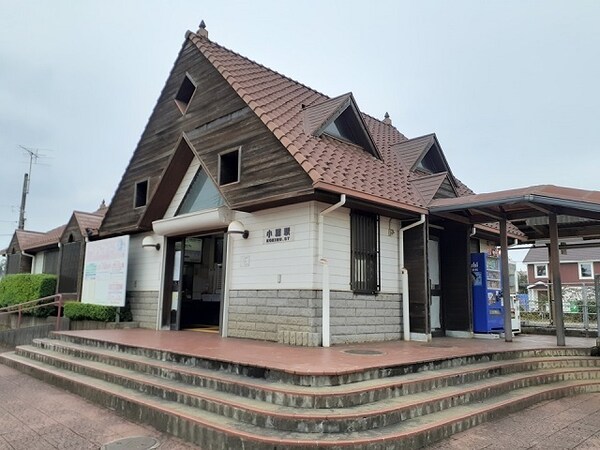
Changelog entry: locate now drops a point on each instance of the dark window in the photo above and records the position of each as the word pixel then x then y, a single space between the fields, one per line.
pixel 184 94
pixel 141 194
pixel 364 244
pixel 229 167
pixel 348 128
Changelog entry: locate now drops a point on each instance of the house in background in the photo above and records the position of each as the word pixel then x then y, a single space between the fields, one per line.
pixel 579 263
pixel 59 251
pixel 258 207
pixel 34 252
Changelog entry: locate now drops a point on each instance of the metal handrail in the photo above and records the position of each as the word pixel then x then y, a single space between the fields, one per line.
pixel 34 304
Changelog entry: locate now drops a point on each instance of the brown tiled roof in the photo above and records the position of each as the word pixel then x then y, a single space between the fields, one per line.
pixel 332 165
pixel 591 253
pixel 293 111
pixel 428 185
pixel 411 149
pixel 91 221
pixel 30 240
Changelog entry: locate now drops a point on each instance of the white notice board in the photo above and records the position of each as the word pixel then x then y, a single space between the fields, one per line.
pixel 105 271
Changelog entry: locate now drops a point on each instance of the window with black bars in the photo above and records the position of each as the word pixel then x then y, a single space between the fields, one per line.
pixel 364 243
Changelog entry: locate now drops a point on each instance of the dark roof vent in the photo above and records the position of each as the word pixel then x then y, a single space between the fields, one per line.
pixel 386 119
pixel 202 30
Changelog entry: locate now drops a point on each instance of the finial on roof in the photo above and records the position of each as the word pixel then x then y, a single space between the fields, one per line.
pixel 103 204
pixel 202 30
pixel 386 119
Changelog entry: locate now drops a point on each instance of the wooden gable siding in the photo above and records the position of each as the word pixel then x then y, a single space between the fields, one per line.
pixel 72 228
pixel 213 98
pixel 268 171
pixel 415 260
pixel 455 273
pixel 215 121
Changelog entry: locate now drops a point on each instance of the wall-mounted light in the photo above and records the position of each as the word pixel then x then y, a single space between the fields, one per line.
pixel 237 227
pixel 149 242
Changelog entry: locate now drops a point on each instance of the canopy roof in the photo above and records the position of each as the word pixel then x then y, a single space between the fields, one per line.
pixel 577 210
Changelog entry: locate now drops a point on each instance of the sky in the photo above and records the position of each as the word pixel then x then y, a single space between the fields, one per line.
pixel 511 88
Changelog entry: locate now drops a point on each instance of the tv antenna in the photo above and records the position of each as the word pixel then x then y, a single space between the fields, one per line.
pixel 34 155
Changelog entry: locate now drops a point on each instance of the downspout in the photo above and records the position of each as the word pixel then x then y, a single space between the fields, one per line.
pixel 404 276
pixel 325 327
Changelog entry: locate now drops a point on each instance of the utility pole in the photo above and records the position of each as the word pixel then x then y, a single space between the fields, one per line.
pixel 21 225
pixel 33 157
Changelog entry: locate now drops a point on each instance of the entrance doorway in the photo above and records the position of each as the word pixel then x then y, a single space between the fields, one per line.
pixel 435 304
pixel 194 272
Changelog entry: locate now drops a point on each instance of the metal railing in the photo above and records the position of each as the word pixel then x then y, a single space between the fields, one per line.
pixel 580 304
pixel 52 300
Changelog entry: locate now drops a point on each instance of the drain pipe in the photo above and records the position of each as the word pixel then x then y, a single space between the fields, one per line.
pixel 404 276
pixel 325 327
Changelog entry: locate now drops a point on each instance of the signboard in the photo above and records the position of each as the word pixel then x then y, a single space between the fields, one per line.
pixel 279 234
pixel 105 272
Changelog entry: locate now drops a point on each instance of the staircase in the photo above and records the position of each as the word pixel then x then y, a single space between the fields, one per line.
pixel 220 405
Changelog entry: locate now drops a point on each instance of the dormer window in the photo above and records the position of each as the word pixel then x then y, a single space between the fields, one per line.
pixel 185 93
pixel 341 119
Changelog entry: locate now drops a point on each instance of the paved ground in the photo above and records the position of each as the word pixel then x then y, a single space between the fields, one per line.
pixel 568 423
pixel 35 415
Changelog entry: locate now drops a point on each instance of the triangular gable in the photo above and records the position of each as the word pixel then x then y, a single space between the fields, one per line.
pixel 424 154
pixel 169 182
pixel 427 186
pixel 340 118
pixel 177 185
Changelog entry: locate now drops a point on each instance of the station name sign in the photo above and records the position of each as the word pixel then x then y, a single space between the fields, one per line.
pixel 277 235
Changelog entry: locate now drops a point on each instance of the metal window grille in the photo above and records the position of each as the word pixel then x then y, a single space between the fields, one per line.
pixel 364 242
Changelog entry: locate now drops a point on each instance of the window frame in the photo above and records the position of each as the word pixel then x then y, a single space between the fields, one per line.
pixel 183 105
pixel 135 193
pixel 220 166
pixel 535 271
pixel 579 264
pixel 360 255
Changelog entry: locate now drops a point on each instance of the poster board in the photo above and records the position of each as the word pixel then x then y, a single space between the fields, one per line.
pixel 105 271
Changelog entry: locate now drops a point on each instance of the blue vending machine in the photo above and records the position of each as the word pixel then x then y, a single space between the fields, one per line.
pixel 487 294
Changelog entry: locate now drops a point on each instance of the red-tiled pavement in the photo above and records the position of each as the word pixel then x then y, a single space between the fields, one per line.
pixel 566 423
pixel 35 416
pixel 316 360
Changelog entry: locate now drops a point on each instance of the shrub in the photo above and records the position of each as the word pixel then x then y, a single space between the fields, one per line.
pixel 87 311
pixel 24 287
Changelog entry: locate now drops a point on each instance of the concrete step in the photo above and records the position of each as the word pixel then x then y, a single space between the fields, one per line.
pixel 211 431
pixel 313 397
pixel 325 379
pixel 337 420
pixel 341 396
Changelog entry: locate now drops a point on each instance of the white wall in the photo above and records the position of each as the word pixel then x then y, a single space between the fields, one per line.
pixel 144 268
pixel 38 263
pixel 256 264
pixel 294 264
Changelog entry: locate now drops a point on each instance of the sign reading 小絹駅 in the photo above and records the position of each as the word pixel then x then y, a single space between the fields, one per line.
pixel 105 271
pixel 278 234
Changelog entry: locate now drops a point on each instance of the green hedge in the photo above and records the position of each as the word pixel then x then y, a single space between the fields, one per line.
pixel 87 311
pixel 24 287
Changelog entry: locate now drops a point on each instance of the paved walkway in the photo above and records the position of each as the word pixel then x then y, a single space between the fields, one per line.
pixel 567 423
pixel 35 416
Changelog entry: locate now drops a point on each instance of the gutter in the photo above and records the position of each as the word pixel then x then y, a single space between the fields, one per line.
pixel 326 313
pixel 404 277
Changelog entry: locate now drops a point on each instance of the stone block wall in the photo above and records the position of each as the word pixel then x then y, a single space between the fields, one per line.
pixel 365 318
pixel 144 307
pixel 294 316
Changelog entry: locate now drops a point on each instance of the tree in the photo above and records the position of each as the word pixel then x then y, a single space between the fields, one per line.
pixel 522 282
